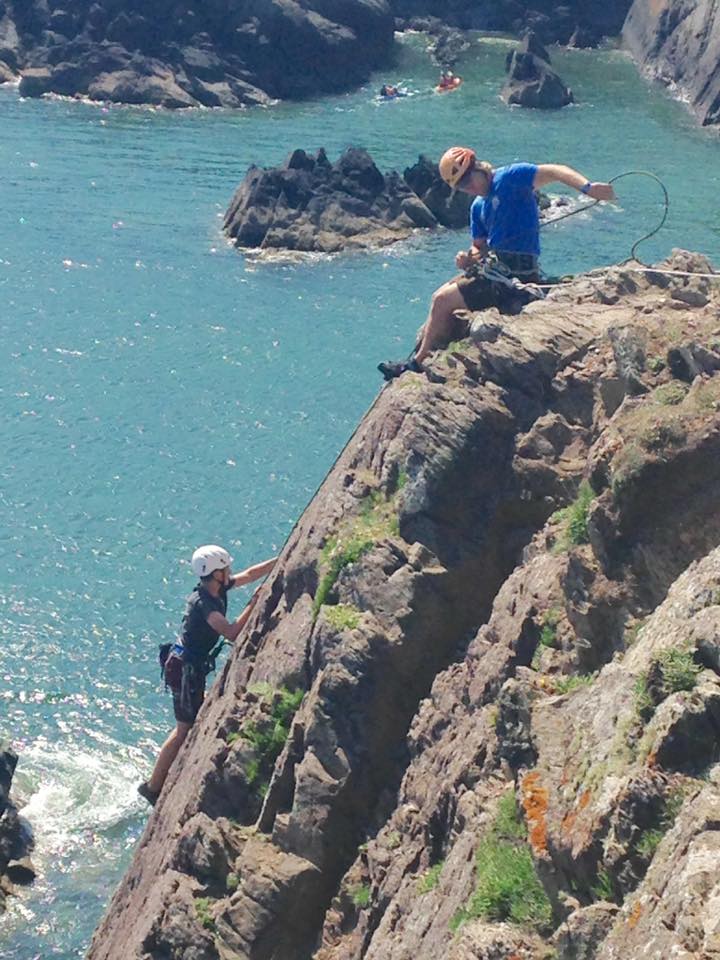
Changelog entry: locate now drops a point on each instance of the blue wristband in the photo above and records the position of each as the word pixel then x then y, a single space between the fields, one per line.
pixel 585 188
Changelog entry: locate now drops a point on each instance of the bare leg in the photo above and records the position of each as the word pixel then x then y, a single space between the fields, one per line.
pixel 168 752
pixel 438 326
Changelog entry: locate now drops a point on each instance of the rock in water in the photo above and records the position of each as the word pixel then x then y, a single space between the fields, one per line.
pixel 678 43
pixel 531 80
pixel 15 835
pixel 196 53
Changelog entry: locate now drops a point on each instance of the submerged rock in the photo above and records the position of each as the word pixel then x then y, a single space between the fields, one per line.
pixel 679 44
pixel 494 610
pixel 309 204
pixel 193 53
pixel 531 80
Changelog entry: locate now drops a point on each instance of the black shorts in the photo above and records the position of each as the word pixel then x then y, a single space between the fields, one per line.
pixel 480 291
pixel 188 693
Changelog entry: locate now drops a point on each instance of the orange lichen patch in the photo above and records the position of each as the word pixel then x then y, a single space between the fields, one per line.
pixel 535 804
pixel 635 915
pixel 568 822
pixel 652 759
pixel 584 799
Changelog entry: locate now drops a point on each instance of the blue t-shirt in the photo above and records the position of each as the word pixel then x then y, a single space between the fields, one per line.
pixel 508 216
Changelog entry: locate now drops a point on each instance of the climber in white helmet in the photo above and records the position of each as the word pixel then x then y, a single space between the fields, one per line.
pixel 501 266
pixel 186 663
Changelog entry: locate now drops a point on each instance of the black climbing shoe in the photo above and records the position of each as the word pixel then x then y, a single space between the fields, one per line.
pixel 147 794
pixel 390 370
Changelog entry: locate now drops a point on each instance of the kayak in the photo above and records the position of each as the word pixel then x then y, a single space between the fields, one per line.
pixel 450 86
pixel 402 92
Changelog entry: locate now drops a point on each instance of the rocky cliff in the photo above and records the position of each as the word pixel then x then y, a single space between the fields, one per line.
pixel 476 713
pixel 193 52
pixel 678 42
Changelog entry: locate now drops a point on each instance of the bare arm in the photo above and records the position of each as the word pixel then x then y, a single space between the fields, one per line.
pixel 252 573
pixel 558 173
pixel 231 630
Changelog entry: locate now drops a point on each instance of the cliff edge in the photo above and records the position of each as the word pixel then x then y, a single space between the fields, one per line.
pixel 678 43
pixel 476 713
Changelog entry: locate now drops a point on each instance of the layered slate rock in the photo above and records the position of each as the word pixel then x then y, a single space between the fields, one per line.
pixel 309 204
pixel 678 43
pixel 442 669
pixel 193 53
pixel 15 836
pixel 531 80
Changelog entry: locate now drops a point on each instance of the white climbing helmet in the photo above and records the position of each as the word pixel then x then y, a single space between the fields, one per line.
pixel 209 558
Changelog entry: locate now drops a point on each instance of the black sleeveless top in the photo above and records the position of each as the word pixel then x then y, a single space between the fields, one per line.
pixel 198 637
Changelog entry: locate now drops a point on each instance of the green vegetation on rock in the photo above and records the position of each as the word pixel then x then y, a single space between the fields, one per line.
pixel 360 896
pixel 377 521
pixel 671 671
pixel 650 838
pixel 548 633
pixel 342 616
pixel 232 882
pixel 202 908
pixel 268 734
pixel 573 519
pixel 430 879
pixel 602 889
pixel 508 887
pixel 565 685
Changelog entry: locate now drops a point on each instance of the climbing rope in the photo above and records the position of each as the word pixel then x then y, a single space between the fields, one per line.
pixel 644 267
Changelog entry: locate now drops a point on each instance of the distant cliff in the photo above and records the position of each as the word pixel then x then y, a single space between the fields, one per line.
pixel 678 42
pixel 577 21
pixel 192 53
pixel 476 713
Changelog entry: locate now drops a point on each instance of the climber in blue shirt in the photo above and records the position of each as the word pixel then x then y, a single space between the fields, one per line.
pixel 501 267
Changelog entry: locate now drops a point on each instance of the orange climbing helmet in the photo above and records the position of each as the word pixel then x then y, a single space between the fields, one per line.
pixel 455 163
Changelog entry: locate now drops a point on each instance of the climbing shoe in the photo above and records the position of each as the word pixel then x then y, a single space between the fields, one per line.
pixel 390 370
pixel 147 794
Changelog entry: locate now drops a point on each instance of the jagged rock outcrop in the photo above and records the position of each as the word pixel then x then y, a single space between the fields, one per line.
pixel 678 43
pixel 15 836
pixel 576 22
pixel 462 724
pixel 192 53
pixel 309 204
pixel 531 80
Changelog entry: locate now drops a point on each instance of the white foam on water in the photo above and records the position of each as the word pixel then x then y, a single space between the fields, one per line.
pixel 76 793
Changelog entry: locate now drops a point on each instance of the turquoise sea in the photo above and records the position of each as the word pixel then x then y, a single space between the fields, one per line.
pixel 158 390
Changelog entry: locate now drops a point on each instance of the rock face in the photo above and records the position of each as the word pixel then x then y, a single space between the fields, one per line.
pixel 531 80
pixel 15 837
pixel 462 724
pixel 576 22
pixel 309 204
pixel 219 53
pixel 678 43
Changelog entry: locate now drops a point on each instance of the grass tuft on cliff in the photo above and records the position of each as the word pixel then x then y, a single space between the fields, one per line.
pixel 670 672
pixel 268 735
pixel 342 616
pixel 377 521
pixel 573 519
pixel 508 887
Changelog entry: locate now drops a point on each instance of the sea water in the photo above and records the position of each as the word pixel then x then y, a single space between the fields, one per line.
pixel 159 390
